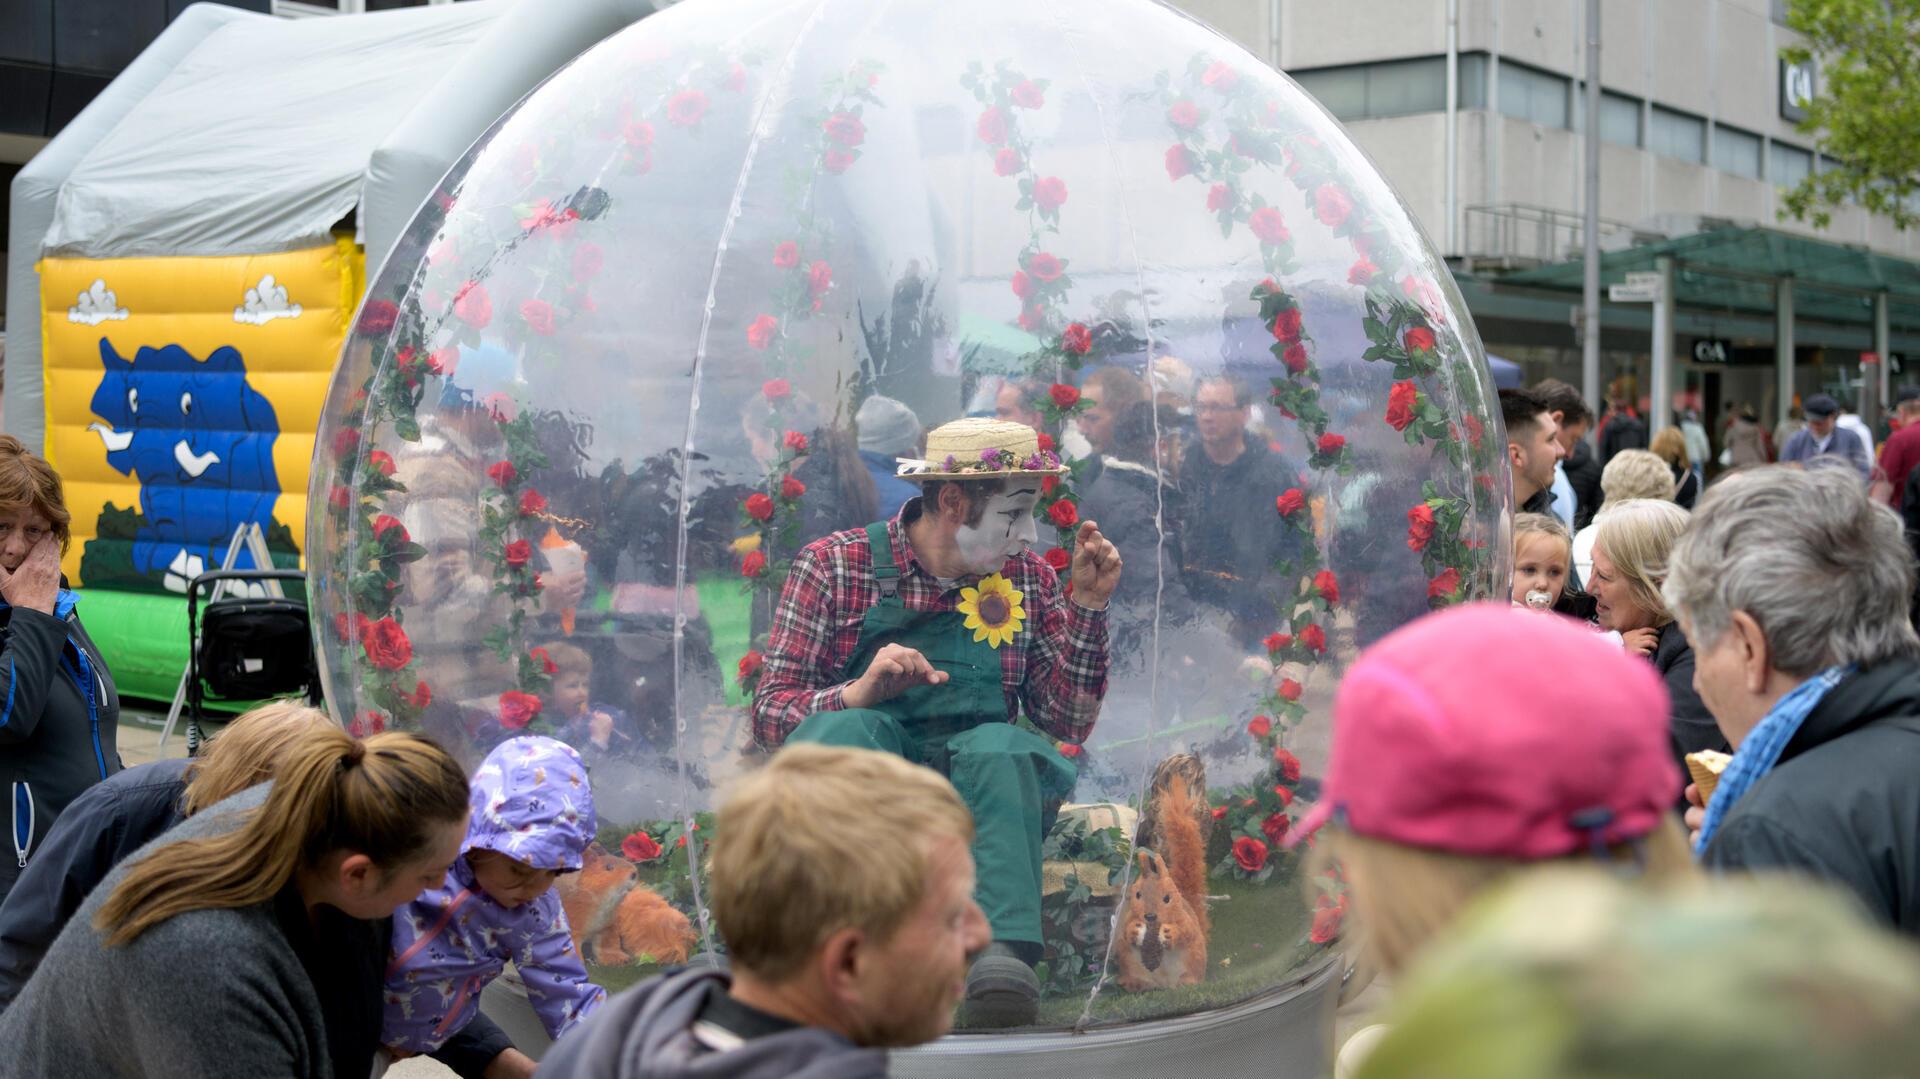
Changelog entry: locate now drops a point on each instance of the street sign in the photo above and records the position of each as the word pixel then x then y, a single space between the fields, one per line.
pixel 1640 287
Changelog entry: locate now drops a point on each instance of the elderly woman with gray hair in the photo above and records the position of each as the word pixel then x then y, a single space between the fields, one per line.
pixel 1632 542
pixel 1795 584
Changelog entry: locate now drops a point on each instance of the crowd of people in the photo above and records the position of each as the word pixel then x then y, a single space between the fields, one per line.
pixel 1699 711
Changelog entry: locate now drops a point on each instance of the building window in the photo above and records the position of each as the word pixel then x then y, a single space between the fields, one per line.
pixel 1736 151
pixel 1536 96
pixel 1374 91
pixel 1619 116
pixel 1677 135
pixel 1788 165
pixel 1473 80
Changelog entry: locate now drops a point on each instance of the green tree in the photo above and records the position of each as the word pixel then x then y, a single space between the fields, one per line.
pixel 1866 111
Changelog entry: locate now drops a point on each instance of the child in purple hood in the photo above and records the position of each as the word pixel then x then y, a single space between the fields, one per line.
pixel 532 819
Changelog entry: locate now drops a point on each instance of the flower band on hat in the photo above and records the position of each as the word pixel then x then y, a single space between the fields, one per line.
pixel 981 448
pixel 997 462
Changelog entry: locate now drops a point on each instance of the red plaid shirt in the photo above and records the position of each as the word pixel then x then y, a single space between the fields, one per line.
pixel 1056 667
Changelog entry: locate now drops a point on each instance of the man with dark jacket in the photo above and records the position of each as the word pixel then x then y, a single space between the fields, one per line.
pixel 1230 551
pixel 1824 437
pixel 842 884
pixel 1793 587
pixel 1621 428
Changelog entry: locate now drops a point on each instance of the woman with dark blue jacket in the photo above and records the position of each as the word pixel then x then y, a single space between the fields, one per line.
pixel 58 709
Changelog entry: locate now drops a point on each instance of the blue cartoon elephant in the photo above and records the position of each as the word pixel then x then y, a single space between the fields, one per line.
pixel 199 440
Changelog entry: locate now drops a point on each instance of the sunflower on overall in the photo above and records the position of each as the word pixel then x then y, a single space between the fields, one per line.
pixel 993 610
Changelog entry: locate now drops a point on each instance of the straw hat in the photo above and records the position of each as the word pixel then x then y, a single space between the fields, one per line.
pixel 980 448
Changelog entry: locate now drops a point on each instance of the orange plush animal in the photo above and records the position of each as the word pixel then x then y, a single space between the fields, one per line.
pixel 615 919
pixel 1163 924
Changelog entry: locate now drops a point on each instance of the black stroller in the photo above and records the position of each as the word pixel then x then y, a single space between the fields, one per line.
pixel 248 647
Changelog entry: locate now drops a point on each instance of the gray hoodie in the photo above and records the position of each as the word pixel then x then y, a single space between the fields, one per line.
pixel 647 1033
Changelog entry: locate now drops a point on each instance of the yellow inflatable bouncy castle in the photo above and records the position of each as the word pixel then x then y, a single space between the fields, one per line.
pixel 182 398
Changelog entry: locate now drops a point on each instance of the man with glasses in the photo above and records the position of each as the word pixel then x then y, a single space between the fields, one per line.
pixel 1232 535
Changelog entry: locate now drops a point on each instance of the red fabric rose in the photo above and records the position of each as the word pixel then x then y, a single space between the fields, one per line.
pixel 587 260
pixel 386 644
pixel 760 332
pixel 1290 502
pixel 1064 396
pixel 687 107
pixel 759 506
pixel 382 462
pixel 819 278
pixel 345 441
pixel 1007 161
pixel 1028 95
pixel 1326 924
pixel 517 709
pixel 1260 726
pixel 1295 358
pixel 366 725
pixel 1286 324
pixel 640 847
pixel 1314 637
pixel 1184 114
pixel 539 316
pixel 1068 749
pixel 501 407
pixel 1250 854
pixel 1419 339
pixel 1284 794
pixel 472 306
pixel 420 697
pixel 1179 162
pixel 502 473
pixel 991 127
pixel 1331 443
pixel 1064 514
pixel 1275 827
pixel 1287 764
pixel 1444 585
pixel 532 502
pixel 444 361
pixel 359 626
pixel 791 488
pixel 1475 431
pixel 1059 559
pixel 638 133
pixel 846 129
pixel 1419 527
pixel 1361 272
pixel 1044 267
pixel 1219 197
pixel 1046 441
pixel 1277 641
pixel 1400 402
pixel 340 497
pixel 1219 76
pixel 796 441
pixel 753 565
pixel 775 389
pixel 837 160
pixel 1049 192
pixel 377 318
pixel 1331 205
pixel 1077 339
pixel 786 254
pixel 517 553
pixel 1022 284
pixel 1219 812
pixel 547 665
pixel 1048 483
pixel 1269 226
pixel 1327 585
pixel 1289 689
pixel 386 523
pixel 750 665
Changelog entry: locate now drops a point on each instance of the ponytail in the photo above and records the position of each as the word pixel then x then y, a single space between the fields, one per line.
pixel 380 797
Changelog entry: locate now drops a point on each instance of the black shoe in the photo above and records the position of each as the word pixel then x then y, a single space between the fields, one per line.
pixel 1002 990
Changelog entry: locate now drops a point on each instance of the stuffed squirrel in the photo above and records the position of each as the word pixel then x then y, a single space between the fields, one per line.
pixel 615 919
pixel 1163 923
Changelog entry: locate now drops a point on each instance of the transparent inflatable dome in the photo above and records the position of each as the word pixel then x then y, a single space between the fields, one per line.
pixel 678 315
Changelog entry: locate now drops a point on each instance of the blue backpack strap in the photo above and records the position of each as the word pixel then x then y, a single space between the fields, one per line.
pixel 885 573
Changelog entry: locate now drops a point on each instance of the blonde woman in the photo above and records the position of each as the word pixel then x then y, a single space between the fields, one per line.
pixel 1477 744
pixel 1632 544
pixel 244 942
pixel 1631 474
pixel 1671 447
pixel 119 816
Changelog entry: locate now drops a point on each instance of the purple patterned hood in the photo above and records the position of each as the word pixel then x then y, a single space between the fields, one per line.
pixel 531 802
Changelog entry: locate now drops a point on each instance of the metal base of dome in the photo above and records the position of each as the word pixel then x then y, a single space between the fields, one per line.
pixel 1285 1034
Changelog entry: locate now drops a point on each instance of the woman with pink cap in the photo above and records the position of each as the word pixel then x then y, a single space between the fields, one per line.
pixel 1478 742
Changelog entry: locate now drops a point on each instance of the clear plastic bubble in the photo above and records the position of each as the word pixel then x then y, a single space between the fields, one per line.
pixel 631 358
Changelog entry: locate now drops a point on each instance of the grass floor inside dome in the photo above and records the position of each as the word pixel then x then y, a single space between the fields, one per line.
pixel 1255 945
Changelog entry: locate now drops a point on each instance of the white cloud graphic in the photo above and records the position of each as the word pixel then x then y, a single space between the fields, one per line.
pixel 96 305
pixel 265 302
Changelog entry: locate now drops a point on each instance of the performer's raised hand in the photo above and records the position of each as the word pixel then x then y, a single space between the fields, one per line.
pixel 1096 567
pixel 894 670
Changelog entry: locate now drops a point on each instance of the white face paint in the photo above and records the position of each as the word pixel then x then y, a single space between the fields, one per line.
pixel 1005 529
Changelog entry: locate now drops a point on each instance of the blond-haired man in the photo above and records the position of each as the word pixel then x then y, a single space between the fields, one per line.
pixel 848 931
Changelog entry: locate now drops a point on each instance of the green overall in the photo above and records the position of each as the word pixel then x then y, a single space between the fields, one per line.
pixel 1012 779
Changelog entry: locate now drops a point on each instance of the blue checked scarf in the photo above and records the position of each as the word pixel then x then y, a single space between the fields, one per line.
pixel 1762 748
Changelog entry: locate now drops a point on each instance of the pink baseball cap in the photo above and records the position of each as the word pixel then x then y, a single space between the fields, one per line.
pixel 1488 731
